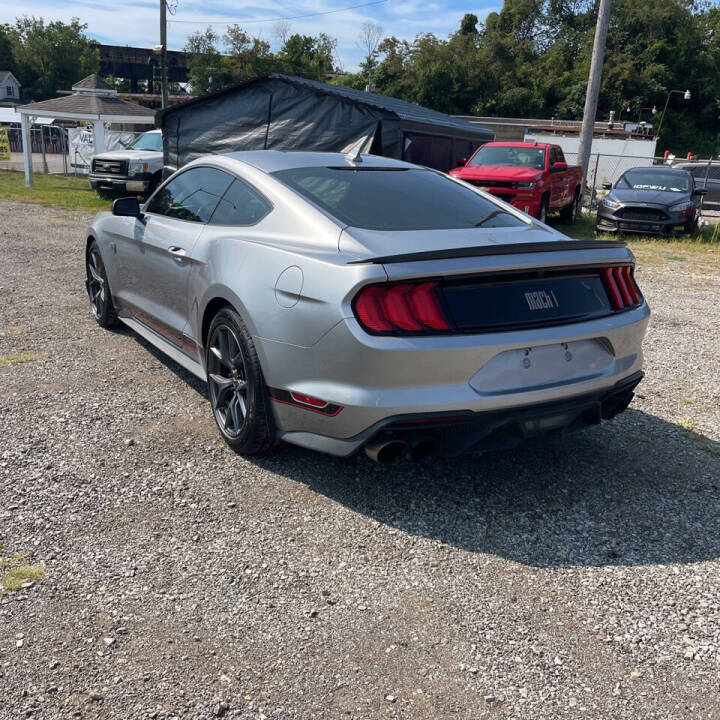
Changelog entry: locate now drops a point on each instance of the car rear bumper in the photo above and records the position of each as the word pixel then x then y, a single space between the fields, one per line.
pixel 372 381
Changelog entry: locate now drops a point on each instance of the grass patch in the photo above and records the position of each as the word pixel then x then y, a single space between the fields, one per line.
pixel 15 573
pixel 701 252
pixel 708 446
pixel 584 229
pixel 15 359
pixel 687 424
pixel 14 578
pixel 73 193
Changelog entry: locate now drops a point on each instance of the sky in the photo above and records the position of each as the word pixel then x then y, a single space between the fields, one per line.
pixel 136 22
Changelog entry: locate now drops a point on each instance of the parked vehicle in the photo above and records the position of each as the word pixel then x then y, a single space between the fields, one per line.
pixel 347 302
pixel 136 169
pixel 656 200
pixel 532 177
pixel 706 177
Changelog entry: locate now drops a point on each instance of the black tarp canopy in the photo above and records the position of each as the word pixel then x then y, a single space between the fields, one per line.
pixel 281 112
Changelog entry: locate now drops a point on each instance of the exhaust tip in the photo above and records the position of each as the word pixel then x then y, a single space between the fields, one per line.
pixel 386 451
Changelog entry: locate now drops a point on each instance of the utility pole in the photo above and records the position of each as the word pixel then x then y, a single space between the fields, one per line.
pixel 163 54
pixel 593 88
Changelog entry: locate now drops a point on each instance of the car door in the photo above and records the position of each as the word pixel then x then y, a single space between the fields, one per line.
pixel 557 181
pixel 155 263
pixel 711 201
pixel 567 179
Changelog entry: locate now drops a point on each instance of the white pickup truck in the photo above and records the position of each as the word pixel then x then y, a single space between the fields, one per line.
pixel 137 169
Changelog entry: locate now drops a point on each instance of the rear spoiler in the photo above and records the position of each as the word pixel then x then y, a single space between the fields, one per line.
pixel 484 250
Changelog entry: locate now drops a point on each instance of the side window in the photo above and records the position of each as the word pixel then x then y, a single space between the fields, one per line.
pixel 241 205
pixel 192 195
pixel 559 157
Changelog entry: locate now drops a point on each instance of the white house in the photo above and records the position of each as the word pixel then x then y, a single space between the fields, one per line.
pixel 9 88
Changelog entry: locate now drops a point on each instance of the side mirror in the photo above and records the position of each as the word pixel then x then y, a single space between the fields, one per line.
pixel 607 186
pixel 126 207
pixel 461 162
pixel 558 166
pixel 699 192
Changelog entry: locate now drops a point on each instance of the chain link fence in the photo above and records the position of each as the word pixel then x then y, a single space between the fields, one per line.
pixel 60 151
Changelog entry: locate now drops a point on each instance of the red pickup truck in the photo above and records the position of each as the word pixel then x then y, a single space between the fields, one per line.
pixel 533 177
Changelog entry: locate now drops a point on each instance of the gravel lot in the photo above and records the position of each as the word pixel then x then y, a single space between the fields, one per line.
pixel 566 579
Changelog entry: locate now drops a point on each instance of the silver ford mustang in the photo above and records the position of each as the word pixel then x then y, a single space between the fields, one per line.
pixel 347 302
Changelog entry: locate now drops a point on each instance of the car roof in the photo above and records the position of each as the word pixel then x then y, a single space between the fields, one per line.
pixel 657 168
pixel 518 144
pixel 273 160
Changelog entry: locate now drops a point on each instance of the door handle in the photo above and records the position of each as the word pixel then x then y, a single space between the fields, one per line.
pixel 177 251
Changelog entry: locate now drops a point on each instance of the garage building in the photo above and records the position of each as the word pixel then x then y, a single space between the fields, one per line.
pixel 281 112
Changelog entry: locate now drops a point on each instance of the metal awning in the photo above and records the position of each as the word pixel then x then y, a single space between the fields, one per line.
pixel 93 100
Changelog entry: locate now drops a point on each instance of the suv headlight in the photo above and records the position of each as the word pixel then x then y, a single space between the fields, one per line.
pixel 136 167
pixel 525 185
pixel 681 207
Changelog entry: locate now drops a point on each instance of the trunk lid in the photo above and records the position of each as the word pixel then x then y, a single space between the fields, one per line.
pixel 366 244
pixel 491 280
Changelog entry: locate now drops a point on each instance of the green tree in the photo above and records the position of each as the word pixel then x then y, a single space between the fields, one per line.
pixel 7 61
pixel 307 55
pixel 248 56
pixel 468 25
pixel 51 56
pixel 206 71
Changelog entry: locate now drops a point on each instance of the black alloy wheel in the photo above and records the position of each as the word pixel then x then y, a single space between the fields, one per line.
pixel 238 395
pixel 98 289
pixel 227 378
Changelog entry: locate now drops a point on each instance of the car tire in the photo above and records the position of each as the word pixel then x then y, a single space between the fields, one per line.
pixel 569 214
pixel 238 395
pixel 98 288
pixel 543 211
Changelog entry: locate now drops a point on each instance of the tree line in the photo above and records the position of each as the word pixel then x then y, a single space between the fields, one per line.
pixel 47 57
pixel 530 59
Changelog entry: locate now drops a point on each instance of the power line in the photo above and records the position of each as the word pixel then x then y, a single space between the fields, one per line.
pixel 276 19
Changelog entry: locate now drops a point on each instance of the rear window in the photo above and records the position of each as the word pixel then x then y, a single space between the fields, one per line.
pixel 395 198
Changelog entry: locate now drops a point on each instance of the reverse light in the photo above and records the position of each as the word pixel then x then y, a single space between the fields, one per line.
pixel 400 308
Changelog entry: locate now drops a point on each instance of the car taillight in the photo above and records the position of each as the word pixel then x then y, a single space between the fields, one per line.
pixel 400 308
pixel 621 287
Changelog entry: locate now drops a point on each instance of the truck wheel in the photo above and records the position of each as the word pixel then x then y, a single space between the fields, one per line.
pixel 569 214
pixel 543 211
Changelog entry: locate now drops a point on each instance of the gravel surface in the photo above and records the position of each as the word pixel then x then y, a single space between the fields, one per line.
pixel 565 579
